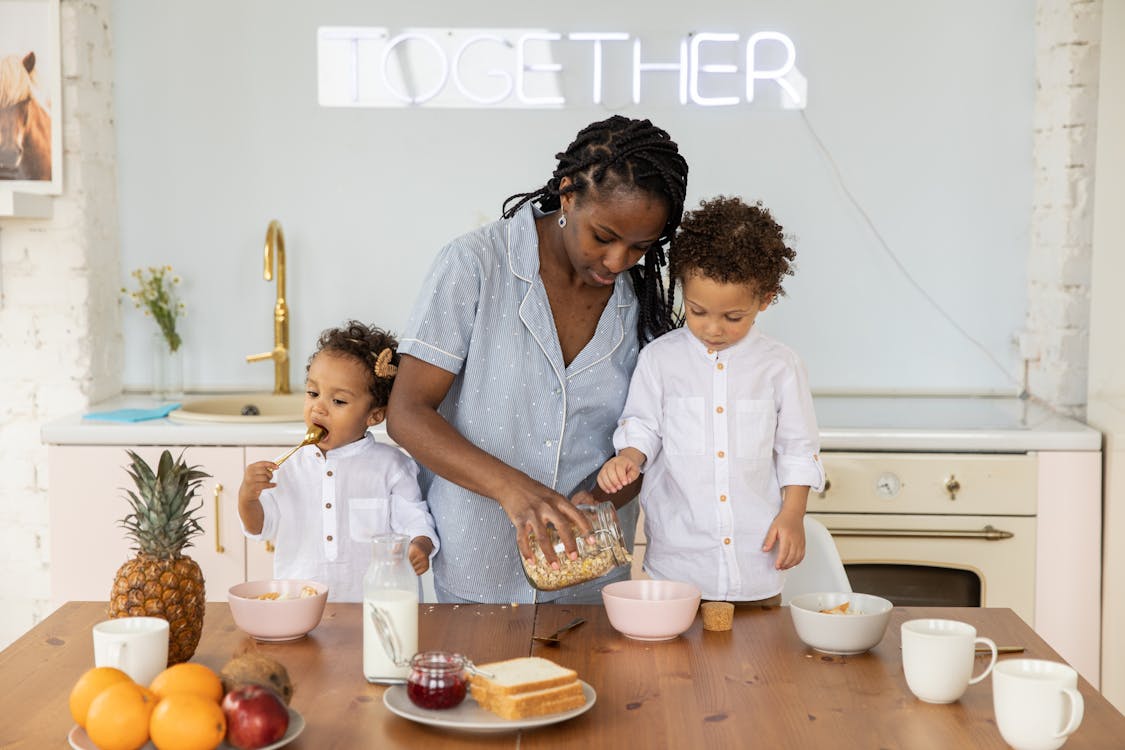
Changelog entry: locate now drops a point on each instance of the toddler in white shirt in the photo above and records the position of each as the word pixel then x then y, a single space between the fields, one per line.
pixel 330 499
pixel 719 417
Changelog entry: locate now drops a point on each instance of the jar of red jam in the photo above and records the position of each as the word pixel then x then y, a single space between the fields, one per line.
pixel 437 679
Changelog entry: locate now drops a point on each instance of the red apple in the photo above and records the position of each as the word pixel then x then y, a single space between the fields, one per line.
pixel 256 717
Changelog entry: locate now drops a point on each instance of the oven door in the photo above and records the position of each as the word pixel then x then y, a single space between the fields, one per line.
pixel 937 559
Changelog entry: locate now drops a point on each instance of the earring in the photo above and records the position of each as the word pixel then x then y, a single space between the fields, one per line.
pixel 562 221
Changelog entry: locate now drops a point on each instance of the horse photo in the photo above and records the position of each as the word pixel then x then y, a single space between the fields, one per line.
pixel 25 126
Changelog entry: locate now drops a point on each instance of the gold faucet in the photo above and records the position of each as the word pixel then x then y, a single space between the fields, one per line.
pixel 275 246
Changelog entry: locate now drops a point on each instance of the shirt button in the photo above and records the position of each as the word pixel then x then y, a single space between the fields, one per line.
pixel 722 498
pixel 727 540
pixel 547 443
pixel 329 538
pixel 328 505
pixel 719 409
pixel 720 365
pixel 329 473
pixel 721 454
pixel 710 351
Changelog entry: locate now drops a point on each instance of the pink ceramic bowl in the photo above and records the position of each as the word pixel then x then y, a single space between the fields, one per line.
pixel 291 614
pixel 651 610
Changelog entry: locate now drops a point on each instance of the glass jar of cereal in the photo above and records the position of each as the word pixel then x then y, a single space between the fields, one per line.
pixel 607 553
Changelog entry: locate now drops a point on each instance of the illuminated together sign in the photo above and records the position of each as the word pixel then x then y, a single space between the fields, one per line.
pixel 536 68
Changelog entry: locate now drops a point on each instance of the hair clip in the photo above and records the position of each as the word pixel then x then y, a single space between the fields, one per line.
pixel 383 366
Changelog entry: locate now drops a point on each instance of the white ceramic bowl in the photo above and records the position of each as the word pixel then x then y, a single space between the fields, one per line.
pixel 853 633
pixel 288 617
pixel 648 610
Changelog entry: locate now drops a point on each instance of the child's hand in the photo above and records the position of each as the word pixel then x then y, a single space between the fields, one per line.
pixel 621 470
pixel 419 553
pixel 788 532
pixel 258 477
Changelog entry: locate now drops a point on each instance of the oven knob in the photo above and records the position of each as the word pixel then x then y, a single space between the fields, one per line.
pixel 888 484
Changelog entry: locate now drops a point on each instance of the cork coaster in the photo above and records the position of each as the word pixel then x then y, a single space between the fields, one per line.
pixel 717 615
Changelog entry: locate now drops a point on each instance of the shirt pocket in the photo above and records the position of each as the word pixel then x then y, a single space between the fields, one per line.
pixel 368 517
pixel 757 420
pixel 683 429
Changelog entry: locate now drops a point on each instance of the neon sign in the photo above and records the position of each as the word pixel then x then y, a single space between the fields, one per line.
pixel 538 68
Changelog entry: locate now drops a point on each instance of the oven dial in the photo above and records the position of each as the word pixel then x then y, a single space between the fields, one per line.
pixel 888 484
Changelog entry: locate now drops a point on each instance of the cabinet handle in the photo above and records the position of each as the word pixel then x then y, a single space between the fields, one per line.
pixel 952 486
pixel 988 533
pixel 269 546
pixel 827 486
pixel 218 512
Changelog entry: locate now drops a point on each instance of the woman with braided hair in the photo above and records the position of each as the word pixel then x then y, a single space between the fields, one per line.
pixel 516 360
pixel 328 500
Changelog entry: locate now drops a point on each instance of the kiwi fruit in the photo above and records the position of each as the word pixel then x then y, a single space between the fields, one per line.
pixel 252 668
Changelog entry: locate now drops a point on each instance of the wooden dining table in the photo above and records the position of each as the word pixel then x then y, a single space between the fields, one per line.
pixel 756 685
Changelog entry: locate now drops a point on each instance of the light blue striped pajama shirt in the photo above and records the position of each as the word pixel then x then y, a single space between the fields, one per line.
pixel 483 315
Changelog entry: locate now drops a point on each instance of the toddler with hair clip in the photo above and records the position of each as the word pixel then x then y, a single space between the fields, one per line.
pixel 333 497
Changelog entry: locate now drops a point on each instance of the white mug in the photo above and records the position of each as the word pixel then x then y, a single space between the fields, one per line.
pixel 138 646
pixel 1037 703
pixel 938 658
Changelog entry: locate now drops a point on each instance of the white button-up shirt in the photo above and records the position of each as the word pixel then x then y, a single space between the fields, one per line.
pixel 722 432
pixel 483 315
pixel 327 507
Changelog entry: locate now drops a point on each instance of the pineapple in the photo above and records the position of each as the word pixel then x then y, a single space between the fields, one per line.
pixel 161 581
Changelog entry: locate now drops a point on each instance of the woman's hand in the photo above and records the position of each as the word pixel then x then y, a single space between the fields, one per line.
pixel 532 507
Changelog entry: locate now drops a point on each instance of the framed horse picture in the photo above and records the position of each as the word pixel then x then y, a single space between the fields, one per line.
pixel 30 97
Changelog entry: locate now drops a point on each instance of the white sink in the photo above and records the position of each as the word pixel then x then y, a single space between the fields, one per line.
pixel 241 408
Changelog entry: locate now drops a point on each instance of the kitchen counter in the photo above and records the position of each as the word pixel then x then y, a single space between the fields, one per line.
pixel 755 684
pixel 847 423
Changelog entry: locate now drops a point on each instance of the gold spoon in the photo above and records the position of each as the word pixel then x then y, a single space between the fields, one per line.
pixel 313 436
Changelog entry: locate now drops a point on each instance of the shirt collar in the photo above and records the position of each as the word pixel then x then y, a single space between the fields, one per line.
pixel 523 243
pixel 351 449
pixel 725 354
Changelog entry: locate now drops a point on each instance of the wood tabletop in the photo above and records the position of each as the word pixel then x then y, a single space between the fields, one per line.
pixel 754 684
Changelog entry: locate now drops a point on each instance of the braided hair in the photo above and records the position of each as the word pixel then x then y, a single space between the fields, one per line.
pixel 615 151
pixel 364 344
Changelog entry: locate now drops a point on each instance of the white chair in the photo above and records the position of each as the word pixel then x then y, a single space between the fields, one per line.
pixel 821 570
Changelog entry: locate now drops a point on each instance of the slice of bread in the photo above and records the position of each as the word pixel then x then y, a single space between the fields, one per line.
pixel 534 703
pixel 483 695
pixel 521 675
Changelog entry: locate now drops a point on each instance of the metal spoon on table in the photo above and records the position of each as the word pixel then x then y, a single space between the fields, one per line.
pixel 313 436
pixel 553 639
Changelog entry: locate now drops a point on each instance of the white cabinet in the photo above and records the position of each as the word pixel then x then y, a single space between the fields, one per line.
pixel 87 500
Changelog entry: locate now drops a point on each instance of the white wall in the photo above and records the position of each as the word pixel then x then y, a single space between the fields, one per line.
pixel 925 110
pixel 60 344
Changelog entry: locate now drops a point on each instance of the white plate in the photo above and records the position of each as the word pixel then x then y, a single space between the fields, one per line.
pixel 79 740
pixel 470 717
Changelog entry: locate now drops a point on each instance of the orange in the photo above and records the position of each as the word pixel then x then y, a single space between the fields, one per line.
pixel 188 677
pixel 118 716
pixel 185 721
pixel 92 682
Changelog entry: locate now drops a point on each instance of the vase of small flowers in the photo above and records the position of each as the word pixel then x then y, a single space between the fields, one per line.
pixel 156 296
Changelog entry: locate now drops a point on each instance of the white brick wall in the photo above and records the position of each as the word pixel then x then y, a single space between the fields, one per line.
pixel 60 341
pixel 1059 261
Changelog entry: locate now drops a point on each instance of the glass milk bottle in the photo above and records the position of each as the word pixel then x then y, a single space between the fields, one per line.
pixel 390 611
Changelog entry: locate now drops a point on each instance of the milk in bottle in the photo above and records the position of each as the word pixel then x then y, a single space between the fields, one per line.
pixel 390 611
